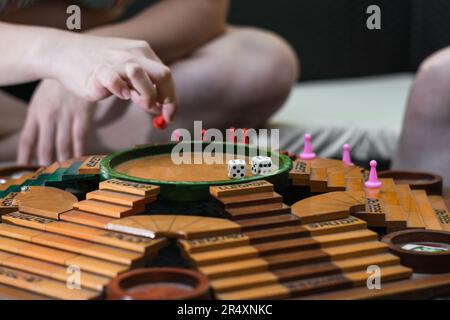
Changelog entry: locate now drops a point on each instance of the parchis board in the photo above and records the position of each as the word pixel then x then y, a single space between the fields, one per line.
pixel 186 170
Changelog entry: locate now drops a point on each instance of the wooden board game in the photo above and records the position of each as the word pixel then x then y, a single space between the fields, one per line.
pixel 241 234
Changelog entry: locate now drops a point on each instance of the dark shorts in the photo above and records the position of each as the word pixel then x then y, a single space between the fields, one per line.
pixel 21 91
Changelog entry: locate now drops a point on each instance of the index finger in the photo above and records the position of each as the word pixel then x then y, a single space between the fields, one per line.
pixel 162 77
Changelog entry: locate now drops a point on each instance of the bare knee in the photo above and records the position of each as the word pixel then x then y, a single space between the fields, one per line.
pixel 269 59
pixel 429 100
pixel 245 71
pixel 267 70
pixel 439 59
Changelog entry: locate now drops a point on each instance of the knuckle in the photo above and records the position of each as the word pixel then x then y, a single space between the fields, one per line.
pixel 95 94
pixel 116 81
pixel 143 46
pixel 165 73
pixel 143 102
pixel 135 70
pixel 113 81
pixel 90 96
pixel 146 101
pixel 128 59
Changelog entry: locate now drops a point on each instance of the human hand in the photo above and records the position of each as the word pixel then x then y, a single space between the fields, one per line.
pixel 95 67
pixel 56 126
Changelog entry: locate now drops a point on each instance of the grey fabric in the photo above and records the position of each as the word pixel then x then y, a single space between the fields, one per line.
pixel 366 112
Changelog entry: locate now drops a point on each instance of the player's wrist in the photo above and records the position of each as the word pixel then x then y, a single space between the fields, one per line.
pixel 50 53
pixel 39 56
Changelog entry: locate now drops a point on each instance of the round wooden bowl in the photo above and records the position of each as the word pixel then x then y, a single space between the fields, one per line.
pixel 430 182
pixel 421 259
pixel 193 190
pixel 159 284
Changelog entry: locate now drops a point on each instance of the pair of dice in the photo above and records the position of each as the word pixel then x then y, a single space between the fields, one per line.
pixel 259 165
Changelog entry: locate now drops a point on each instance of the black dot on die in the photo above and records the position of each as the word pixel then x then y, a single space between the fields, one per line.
pixel 259 171
pixel 234 167
pixel 242 167
pixel 234 175
pixel 239 171
pixel 242 175
pixel 260 165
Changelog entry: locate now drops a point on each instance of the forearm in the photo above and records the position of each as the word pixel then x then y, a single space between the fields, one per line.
pixel 26 53
pixel 173 28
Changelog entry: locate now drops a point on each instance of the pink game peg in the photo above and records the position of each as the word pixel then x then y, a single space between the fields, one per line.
pixel 346 155
pixel 307 153
pixel 373 182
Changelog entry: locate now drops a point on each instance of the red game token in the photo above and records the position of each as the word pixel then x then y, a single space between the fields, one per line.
pixel 245 137
pixel 203 132
pixel 159 122
pixel 233 137
pixel 292 156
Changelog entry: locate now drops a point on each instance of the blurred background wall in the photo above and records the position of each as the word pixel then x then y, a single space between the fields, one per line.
pixel 331 38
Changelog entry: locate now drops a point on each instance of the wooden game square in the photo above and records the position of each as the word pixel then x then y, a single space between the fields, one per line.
pixel 120 198
pixel 85 218
pixel 250 199
pixel 140 189
pixel 104 208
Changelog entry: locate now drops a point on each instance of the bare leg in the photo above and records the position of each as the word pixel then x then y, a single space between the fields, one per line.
pixel 239 79
pixel 425 139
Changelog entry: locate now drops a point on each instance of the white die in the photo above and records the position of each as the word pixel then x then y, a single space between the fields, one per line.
pixel 236 169
pixel 261 165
